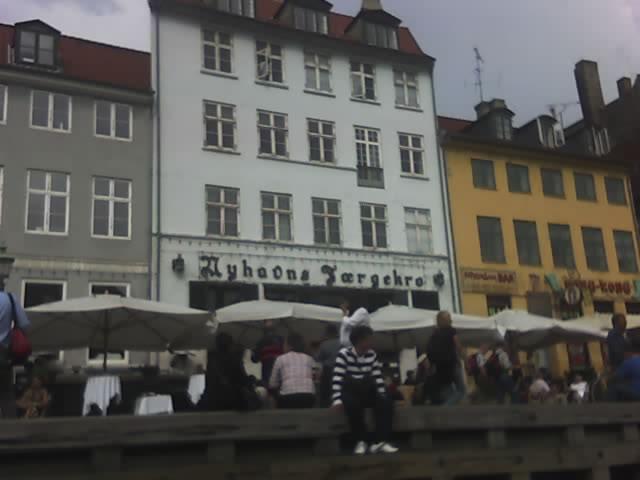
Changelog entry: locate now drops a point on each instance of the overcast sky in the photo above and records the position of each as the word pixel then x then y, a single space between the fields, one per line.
pixel 529 46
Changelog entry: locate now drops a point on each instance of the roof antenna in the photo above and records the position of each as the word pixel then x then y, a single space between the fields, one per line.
pixel 478 71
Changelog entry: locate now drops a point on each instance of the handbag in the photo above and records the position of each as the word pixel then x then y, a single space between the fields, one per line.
pixel 20 347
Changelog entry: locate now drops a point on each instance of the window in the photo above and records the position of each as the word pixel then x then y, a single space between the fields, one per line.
pixel 373 219
pixel 51 111
pixel 598 141
pixel 603 306
pixel 497 304
pixel 238 7
pixel 3 103
pixel 310 20
pixel 594 248
pixel 484 175
pixel 96 356
pixel 269 62
pixel 527 242
pixel 518 177
pixel 406 89
pixel 491 241
pixel 585 187
pixel 36 48
pixel 626 251
pixel 317 70
pixel 276 217
pixel 47 202
pixel 632 308
pixel 216 51
pixel 322 140
pixel 370 172
pixel 411 154
pixel 273 131
pixel 561 246
pixel 419 233
pixel 111 208
pixel 326 221
pixel 616 193
pixel 503 127
pixel 113 120
pixel 381 35
pixel 363 81
pixel 37 293
pixel 222 206
pixel 219 126
pixel 552 183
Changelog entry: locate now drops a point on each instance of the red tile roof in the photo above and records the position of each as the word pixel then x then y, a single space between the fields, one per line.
pixel 89 61
pixel 266 11
pixel 453 125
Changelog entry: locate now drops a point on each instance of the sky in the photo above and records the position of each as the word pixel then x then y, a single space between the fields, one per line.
pixel 529 47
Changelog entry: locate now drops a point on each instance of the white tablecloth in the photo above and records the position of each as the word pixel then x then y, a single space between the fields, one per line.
pixel 100 390
pixel 154 405
pixel 196 387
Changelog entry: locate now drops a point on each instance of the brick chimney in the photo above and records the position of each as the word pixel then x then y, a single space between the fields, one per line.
pixel 590 92
pixel 624 87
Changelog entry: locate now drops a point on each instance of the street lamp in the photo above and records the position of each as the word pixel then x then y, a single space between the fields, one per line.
pixel 6 265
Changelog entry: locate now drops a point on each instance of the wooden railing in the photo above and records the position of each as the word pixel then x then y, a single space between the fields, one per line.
pixel 590 441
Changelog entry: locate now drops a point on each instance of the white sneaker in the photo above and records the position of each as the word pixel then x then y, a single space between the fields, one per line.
pixel 383 447
pixel 361 449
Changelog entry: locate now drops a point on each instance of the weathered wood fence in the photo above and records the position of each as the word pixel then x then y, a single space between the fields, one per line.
pixel 597 442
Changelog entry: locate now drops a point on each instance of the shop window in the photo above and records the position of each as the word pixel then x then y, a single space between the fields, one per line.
pixel 633 308
pixel 578 356
pixel 426 300
pixel 602 306
pixel 498 303
pixel 213 296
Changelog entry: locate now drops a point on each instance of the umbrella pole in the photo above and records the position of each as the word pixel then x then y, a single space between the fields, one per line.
pixel 105 334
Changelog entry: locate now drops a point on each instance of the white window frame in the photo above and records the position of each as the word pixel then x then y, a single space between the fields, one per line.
pixel 368 145
pixel 318 21
pixel 419 228
pixel 112 199
pixel 218 118
pixel 50 126
pixel 217 46
pixel 238 7
pixel 322 137
pixel 412 153
pixel 4 93
pixel 98 362
pixel 390 35
pixel 42 282
pixel 270 56
pixel 47 204
pixel 318 68
pixel 326 216
pixel 362 76
pixel 223 205
pixel 112 120
pixel 273 129
pixel 277 211
pixel 406 83
pixel 373 220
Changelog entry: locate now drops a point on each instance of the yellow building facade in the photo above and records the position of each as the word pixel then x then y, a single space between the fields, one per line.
pixel 543 231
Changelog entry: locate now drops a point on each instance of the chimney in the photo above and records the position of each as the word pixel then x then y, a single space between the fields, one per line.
pixel 624 87
pixel 482 109
pixel 590 92
pixel 372 5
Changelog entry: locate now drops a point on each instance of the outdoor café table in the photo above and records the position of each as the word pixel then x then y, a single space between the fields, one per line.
pixel 196 387
pixel 154 405
pixel 100 390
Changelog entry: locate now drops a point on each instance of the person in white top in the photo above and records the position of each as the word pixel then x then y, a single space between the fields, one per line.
pixel 360 318
pixel 539 389
pixel 579 389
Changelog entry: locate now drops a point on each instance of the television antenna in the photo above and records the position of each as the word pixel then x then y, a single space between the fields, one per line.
pixel 557 110
pixel 478 72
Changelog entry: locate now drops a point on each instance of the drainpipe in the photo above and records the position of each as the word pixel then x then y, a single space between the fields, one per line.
pixel 158 133
pixel 444 191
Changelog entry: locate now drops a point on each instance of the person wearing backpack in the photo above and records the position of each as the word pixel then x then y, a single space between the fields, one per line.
pixel 12 315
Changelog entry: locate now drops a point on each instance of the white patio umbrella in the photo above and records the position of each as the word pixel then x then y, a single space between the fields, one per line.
pixel 245 321
pixel 530 332
pixel 399 327
pixel 111 322
pixel 603 322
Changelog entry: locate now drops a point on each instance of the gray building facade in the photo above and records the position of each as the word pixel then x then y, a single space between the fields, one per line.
pixel 75 169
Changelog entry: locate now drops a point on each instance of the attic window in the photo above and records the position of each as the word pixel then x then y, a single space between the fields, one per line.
pixel 35 48
pixel 311 20
pixel 381 35
pixel 245 8
pixel 503 127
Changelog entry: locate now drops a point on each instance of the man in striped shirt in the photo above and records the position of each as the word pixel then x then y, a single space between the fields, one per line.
pixel 358 385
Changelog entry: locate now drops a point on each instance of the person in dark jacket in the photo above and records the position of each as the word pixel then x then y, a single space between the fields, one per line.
pixel 326 356
pixel 617 341
pixel 267 350
pixel 444 351
pixel 226 381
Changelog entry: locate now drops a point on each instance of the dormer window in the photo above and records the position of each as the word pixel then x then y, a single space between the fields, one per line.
pixel 35 48
pixel 245 8
pixel 598 141
pixel 311 20
pixel 381 35
pixel 504 130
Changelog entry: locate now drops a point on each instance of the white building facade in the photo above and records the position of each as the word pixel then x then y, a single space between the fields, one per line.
pixel 296 158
